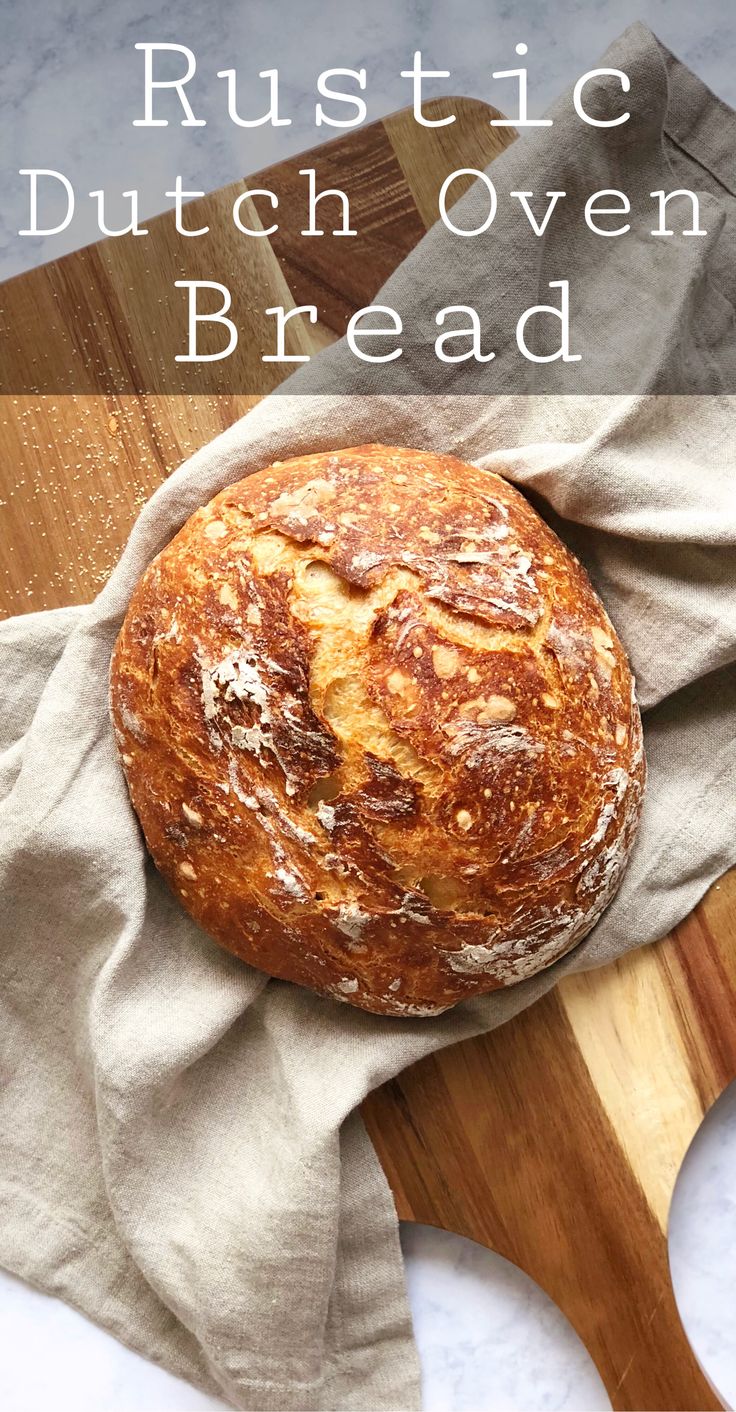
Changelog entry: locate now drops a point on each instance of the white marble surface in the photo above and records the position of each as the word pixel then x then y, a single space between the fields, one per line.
pixel 70 87
pixel 71 81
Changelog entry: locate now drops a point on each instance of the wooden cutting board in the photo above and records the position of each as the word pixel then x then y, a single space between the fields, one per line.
pixel 556 1140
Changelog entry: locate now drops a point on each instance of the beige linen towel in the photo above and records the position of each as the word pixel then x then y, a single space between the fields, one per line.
pixel 181 1157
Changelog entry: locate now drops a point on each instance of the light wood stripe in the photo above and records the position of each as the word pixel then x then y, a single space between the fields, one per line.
pixel 446 149
pixel 626 1025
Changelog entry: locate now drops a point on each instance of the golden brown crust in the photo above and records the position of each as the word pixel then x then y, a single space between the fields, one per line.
pixel 378 729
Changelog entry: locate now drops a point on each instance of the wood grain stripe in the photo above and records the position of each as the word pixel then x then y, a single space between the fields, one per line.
pixel 626 1025
pixel 469 141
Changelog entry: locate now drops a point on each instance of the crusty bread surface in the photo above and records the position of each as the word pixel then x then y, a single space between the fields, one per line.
pixel 378 730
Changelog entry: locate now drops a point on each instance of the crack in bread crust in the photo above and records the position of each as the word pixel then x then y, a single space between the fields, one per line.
pixel 380 734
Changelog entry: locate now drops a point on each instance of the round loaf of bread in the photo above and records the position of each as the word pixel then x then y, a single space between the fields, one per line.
pixel 378 730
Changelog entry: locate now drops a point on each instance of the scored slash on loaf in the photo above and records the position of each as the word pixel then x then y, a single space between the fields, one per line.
pixel 379 732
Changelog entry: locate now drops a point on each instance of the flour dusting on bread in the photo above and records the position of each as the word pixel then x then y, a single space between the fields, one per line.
pixel 379 731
